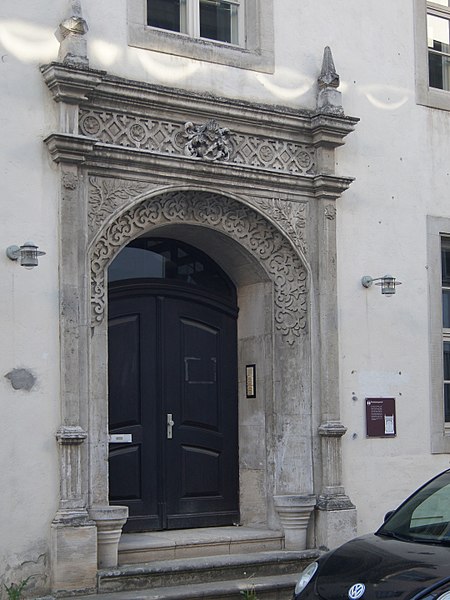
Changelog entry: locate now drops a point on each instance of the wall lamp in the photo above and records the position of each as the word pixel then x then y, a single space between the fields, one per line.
pixel 387 283
pixel 28 254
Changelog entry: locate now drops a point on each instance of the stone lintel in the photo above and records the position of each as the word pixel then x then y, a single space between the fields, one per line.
pixel 69 148
pixel 235 179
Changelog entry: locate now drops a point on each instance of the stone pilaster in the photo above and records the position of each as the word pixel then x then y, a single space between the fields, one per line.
pixel 335 513
pixel 73 534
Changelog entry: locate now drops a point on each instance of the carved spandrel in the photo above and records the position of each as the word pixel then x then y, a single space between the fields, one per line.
pixel 289 216
pixel 107 195
pixel 240 222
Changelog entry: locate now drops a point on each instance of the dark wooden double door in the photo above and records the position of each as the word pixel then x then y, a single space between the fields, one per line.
pixel 173 395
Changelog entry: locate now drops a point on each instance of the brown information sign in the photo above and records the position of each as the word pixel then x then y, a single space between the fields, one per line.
pixel 380 417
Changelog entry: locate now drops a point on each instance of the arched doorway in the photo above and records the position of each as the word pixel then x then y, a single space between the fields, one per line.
pixel 173 407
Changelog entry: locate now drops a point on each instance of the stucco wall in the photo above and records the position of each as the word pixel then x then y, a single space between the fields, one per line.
pixel 398 156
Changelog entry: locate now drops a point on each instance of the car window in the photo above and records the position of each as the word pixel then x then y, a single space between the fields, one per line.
pixel 425 516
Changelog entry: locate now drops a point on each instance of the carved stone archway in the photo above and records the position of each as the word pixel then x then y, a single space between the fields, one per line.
pixel 275 459
pixel 240 222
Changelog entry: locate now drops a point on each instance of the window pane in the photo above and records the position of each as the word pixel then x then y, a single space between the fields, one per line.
pixel 218 21
pixel 167 14
pixel 447 361
pixel 441 2
pixel 445 260
pixel 447 402
pixel 446 309
pixel 438 53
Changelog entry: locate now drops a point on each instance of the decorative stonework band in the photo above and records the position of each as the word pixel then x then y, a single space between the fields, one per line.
pixel 236 220
pixel 208 141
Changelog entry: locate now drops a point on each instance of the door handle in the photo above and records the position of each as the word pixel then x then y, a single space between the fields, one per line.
pixel 170 424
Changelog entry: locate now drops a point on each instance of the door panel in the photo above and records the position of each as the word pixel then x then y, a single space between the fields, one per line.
pixel 132 391
pixel 173 356
pixel 202 399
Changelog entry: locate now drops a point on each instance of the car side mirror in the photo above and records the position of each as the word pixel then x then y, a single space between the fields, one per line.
pixel 387 515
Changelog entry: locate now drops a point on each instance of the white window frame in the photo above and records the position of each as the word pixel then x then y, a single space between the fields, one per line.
pixel 437 229
pixel 254 52
pixel 426 95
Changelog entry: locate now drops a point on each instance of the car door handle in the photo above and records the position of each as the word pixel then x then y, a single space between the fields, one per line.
pixel 170 424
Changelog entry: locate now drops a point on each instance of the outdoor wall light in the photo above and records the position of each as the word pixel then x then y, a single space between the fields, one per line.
pixel 28 254
pixel 387 283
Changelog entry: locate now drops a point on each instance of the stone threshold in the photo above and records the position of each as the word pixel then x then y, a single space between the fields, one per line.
pixel 137 548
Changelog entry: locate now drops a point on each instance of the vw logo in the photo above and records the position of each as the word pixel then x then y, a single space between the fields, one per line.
pixel 356 591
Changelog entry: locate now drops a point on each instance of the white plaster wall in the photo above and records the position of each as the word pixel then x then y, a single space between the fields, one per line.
pixel 28 299
pixel 398 155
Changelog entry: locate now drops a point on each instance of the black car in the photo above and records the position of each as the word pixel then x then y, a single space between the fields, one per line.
pixel 407 558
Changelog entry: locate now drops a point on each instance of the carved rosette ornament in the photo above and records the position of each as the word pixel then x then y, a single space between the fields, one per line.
pixel 236 220
pixel 208 141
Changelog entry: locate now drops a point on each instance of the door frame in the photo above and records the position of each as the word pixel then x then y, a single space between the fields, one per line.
pixel 271 278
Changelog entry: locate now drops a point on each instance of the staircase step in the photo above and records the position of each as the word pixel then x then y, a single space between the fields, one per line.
pixel 276 587
pixel 194 571
pixel 137 548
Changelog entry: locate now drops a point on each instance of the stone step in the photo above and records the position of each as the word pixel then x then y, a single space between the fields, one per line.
pixel 137 548
pixel 274 587
pixel 194 571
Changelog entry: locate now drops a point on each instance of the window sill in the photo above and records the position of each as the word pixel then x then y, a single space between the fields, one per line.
pixel 257 56
pixel 433 97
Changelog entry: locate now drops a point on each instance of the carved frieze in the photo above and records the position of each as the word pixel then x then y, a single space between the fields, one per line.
pixel 209 141
pixel 245 225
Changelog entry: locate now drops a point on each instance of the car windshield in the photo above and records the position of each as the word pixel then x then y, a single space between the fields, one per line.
pixel 425 516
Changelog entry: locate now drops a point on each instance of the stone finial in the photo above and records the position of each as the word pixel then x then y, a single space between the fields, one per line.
pixel 328 76
pixel 73 50
pixel 329 99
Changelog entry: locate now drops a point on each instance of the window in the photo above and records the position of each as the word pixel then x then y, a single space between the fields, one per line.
pixel 438 30
pixel 445 264
pixel 438 229
pixel 238 33
pixel 433 53
pixel 209 19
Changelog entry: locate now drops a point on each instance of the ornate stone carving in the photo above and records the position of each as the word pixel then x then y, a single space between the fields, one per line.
pixel 236 220
pixel 208 141
pixel 70 181
pixel 169 138
pixel 330 212
pixel 106 195
pixel 290 216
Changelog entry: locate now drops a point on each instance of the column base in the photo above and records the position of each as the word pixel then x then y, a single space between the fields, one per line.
pixel 109 521
pixel 294 512
pixel 334 527
pixel 73 557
